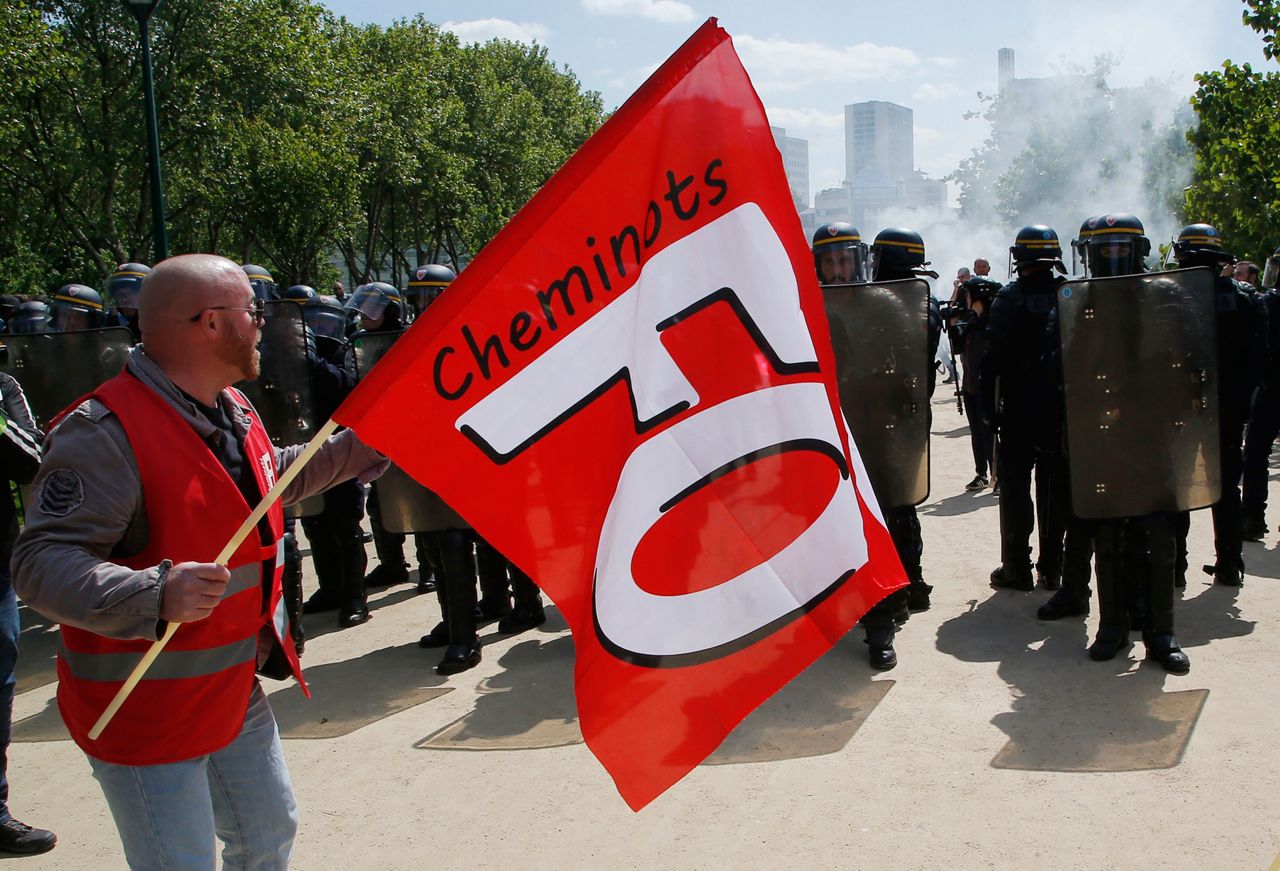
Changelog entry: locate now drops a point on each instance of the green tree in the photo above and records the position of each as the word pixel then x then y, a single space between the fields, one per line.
pixel 1237 146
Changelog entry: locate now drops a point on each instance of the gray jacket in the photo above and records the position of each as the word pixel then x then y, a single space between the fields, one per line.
pixel 87 511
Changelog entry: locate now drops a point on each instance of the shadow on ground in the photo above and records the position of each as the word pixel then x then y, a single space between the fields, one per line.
pixel 1072 714
pixel 354 693
pixel 817 713
pixel 961 503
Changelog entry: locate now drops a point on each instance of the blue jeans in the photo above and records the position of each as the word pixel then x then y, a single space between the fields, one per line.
pixel 168 815
pixel 8 659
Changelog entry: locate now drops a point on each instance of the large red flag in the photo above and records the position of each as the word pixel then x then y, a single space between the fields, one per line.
pixel 630 393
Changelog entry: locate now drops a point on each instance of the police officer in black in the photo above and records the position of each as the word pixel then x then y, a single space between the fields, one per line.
pixel 264 286
pixel 1264 419
pixel 1242 355
pixel 1012 391
pixel 1135 557
pixel 123 288
pixel 76 307
pixel 899 253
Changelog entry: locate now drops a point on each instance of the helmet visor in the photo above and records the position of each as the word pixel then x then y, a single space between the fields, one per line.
pixel 325 321
pixel 839 263
pixel 67 316
pixel 124 292
pixel 29 322
pixel 369 303
pixel 1112 256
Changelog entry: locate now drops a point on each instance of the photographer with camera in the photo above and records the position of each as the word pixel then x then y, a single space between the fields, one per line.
pixel 966 318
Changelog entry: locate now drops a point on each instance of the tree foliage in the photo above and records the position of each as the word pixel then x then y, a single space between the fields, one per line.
pixel 1237 146
pixel 287 135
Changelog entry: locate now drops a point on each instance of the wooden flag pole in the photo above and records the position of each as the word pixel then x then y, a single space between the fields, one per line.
pixel 245 528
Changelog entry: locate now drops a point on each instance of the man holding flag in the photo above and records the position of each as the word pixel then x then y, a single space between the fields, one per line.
pixel 641 360
pixel 142 482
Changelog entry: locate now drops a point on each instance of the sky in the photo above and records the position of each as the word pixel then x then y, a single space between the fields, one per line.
pixel 808 60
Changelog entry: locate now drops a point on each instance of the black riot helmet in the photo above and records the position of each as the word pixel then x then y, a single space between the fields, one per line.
pixel 1117 245
pixel 1079 246
pixel 379 305
pixel 1036 243
pixel 125 285
pixel 839 254
pixel 1200 245
pixel 299 293
pixel 897 253
pixel 30 317
pixel 76 307
pixel 427 283
pixel 264 286
pixel 1271 271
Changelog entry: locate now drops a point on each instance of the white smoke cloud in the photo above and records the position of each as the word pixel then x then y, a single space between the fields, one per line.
pixel 485 29
pixel 665 11
pixel 780 64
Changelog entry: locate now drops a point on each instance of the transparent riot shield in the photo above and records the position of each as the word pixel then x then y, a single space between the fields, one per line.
pixel 405 505
pixel 880 336
pixel 282 391
pixel 56 369
pixel 1140 380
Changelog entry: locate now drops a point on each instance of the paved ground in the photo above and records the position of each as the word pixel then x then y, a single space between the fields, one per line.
pixel 995 743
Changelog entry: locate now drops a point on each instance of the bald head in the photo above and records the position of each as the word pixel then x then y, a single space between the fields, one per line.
pixel 184 285
pixel 196 314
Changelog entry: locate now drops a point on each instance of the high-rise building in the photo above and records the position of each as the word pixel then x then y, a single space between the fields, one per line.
pixel 795 160
pixel 878 134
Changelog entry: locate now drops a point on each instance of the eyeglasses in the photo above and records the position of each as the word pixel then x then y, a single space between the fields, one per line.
pixel 257 311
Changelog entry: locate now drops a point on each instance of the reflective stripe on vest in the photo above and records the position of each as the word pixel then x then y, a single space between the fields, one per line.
pixel 175 664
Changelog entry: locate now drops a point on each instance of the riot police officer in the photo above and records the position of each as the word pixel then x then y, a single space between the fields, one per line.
pixel 1011 381
pixel 839 254
pixel 896 254
pixel 335 534
pixel 1136 557
pixel 426 284
pixel 1242 353
pixel 1264 419
pixel 76 307
pixel 264 286
pixel 123 288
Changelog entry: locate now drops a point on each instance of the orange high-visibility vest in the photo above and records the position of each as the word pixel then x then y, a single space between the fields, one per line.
pixel 193 699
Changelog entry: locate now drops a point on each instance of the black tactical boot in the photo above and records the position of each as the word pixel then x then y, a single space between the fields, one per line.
pixel 460 657
pixel 1049 580
pixel 1164 649
pixel 1063 604
pixel 353 613
pixel 1004 578
pixel 437 637
pixel 1110 641
pixel 918 595
pixel 1226 575
pixel 1253 527
pixel 881 654
pixel 528 612
pixel 385 575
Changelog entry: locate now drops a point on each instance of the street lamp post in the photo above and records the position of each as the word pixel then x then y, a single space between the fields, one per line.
pixel 141 10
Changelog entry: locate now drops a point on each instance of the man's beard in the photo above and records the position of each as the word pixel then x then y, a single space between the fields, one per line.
pixel 241 352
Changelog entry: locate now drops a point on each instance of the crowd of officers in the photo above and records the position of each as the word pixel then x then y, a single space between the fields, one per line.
pixel 451 558
pixel 1008 339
